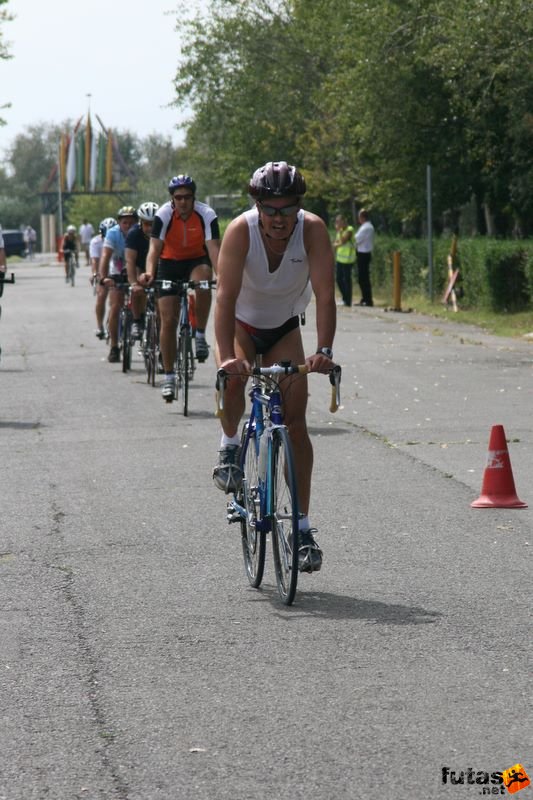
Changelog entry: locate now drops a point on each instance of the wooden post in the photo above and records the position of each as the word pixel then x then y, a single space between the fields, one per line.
pixel 453 274
pixel 397 281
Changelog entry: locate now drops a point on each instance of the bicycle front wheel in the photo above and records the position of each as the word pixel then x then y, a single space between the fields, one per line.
pixel 284 515
pixel 149 348
pixel 190 363
pixel 253 540
pixel 183 370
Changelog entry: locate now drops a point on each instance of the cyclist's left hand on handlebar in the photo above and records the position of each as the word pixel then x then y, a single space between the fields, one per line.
pixel 318 362
pixel 146 279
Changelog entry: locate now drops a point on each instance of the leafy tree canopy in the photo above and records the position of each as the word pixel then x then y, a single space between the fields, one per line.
pixel 363 95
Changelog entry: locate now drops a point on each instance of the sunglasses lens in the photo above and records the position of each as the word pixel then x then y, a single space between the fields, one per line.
pixel 285 211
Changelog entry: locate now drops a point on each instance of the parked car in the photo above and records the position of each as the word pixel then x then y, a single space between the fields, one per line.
pixel 14 243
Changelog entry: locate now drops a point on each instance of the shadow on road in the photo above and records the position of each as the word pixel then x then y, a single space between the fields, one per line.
pixel 330 430
pixel 326 605
pixel 20 426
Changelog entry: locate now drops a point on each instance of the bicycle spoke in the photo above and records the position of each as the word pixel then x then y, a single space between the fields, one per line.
pixel 253 540
pixel 284 516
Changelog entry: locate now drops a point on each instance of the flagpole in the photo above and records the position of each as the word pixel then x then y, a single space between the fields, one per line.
pixel 59 192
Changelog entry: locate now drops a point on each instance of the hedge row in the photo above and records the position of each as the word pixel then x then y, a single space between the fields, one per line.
pixel 494 274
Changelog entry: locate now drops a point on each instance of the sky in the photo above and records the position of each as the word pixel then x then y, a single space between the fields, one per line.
pixel 123 54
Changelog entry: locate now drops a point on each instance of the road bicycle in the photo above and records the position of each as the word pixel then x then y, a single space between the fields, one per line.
pixel 3 281
pixel 150 338
pixel 124 328
pixel 185 365
pixel 267 499
pixel 71 261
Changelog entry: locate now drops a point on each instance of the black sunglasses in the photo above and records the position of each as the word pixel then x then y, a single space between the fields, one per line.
pixel 285 211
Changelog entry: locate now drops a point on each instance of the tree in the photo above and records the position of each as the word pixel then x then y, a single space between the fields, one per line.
pixel 364 95
pixel 4 52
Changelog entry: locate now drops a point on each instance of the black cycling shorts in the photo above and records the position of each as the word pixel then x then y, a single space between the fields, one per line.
pixel 264 339
pixel 119 280
pixel 170 270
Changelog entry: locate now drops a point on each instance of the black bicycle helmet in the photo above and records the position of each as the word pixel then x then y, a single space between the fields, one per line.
pixel 181 180
pixel 276 179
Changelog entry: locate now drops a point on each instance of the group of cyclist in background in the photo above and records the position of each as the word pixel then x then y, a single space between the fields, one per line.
pixel 271 261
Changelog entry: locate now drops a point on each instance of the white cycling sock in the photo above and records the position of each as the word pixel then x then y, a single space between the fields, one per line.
pixel 225 440
pixel 169 376
pixel 304 524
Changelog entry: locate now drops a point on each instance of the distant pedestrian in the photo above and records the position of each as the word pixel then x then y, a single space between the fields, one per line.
pixel 3 262
pixel 364 239
pixel 344 246
pixel 86 232
pixel 30 238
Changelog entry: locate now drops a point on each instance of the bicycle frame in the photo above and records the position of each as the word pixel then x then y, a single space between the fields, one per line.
pixel 265 416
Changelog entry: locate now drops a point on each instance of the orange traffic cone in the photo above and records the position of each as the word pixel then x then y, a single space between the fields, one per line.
pixel 498 490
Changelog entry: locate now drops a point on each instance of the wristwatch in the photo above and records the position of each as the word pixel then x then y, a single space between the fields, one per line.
pixel 325 351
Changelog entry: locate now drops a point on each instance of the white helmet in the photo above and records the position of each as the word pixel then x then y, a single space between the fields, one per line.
pixel 71 229
pixel 106 224
pixel 147 211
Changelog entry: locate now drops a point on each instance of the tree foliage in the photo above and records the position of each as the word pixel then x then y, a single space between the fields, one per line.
pixel 4 50
pixel 363 94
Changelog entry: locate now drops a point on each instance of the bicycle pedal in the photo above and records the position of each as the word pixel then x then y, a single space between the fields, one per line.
pixel 232 515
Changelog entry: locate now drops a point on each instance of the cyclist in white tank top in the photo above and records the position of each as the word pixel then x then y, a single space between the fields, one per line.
pixel 272 259
pixel 268 299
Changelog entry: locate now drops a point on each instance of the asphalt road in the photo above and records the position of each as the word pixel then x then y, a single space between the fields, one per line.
pixel 135 661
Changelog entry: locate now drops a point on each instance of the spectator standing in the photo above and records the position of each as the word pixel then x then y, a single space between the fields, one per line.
pixel 364 239
pixel 86 232
pixel 3 262
pixel 30 238
pixel 344 246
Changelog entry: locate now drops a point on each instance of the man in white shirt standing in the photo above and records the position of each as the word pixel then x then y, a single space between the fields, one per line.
pixel 86 232
pixel 3 262
pixel 364 239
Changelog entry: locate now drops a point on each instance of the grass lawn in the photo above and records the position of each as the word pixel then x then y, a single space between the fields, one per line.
pixel 517 324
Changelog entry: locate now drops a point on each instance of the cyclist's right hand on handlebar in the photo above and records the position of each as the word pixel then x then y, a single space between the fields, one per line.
pixel 146 279
pixel 235 366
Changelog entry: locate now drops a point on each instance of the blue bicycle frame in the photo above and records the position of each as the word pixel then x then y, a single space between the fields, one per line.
pixel 259 436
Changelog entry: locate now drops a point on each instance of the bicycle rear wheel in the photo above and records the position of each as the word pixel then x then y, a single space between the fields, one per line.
pixel 249 496
pixel 183 368
pixel 126 340
pixel 284 515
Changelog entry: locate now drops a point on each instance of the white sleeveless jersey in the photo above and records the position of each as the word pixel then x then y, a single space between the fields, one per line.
pixel 268 299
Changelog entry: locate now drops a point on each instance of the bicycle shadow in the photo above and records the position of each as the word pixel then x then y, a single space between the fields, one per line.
pixel 192 414
pixel 330 430
pixel 327 605
pixel 21 426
